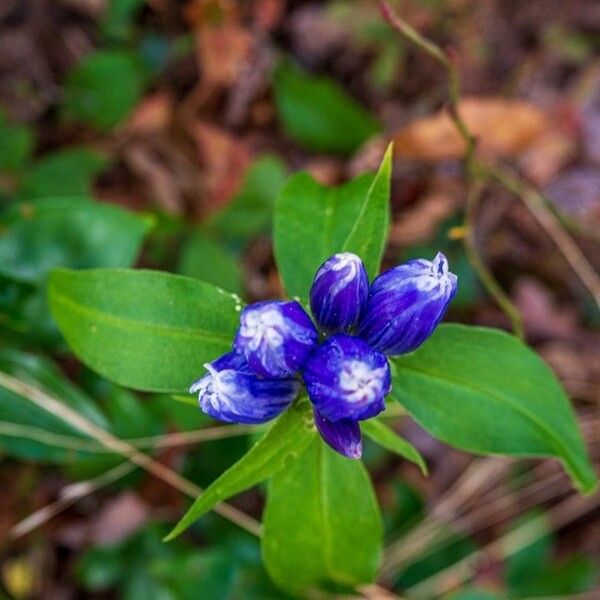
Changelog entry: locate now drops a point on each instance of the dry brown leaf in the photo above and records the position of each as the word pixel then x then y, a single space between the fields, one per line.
pixel 225 159
pixel 152 114
pixel 119 518
pixel 419 223
pixel 222 52
pixel 327 171
pixel 268 14
pixel 547 155
pixel 542 316
pixel 502 127
pixel 223 43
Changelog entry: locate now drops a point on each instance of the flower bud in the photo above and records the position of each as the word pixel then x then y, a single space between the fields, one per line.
pixel 346 379
pixel 231 392
pixel 275 337
pixel 343 435
pixel 406 304
pixel 338 295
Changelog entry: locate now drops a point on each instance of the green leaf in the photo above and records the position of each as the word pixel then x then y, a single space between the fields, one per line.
pixel 313 222
pixel 387 438
pixel 206 259
pixel 119 17
pixel 318 114
pixel 250 212
pixel 16 147
pixel 64 173
pixel 143 329
pixel 104 88
pixel 368 237
pixel 321 522
pixel 483 391
pixel 67 232
pixel 531 572
pixel 436 557
pixel 284 442
pixel 42 442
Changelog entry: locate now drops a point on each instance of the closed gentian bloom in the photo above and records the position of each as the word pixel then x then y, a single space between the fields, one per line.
pixel 406 304
pixel 343 435
pixel 231 392
pixel 338 295
pixel 275 337
pixel 346 379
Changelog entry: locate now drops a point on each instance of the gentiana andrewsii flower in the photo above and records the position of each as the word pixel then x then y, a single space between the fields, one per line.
pixel 346 379
pixel 406 304
pixel 338 295
pixel 347 376
pixel 343 435
pixel 233 393
pixel 275 337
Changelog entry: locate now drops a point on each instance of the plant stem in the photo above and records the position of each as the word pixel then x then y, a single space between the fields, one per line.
pixel 474 170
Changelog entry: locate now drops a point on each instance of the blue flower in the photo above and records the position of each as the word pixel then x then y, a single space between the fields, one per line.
pixel 231 392
pixel 346 379
pixel 275 337
pixel 406 304
pixel 338 295
pixel 343 435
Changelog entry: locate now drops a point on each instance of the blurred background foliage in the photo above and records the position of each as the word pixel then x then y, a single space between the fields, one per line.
pixel 157 134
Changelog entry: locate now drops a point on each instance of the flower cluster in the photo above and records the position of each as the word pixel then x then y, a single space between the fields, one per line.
pixel 346 374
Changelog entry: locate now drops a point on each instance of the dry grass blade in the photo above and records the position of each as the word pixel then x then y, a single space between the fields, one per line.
pixel 519 538
pixel 169 440
pixel 493 506
pixel 118 446
pixel 477 478
pixel 536 204
pixel 68 496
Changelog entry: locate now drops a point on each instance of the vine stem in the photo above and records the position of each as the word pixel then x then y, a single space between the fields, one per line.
pixel 454 93
pixel 475 171
pixel 46 402
pixel 485 275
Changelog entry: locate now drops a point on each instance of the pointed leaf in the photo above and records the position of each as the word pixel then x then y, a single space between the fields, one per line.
pixel 482 390
pixel 321 522
pixel 208 260
pixel 317 112
pixel 285 441
pixel 143 329
pixel 74 232
pixel 312 222
pixel 387 438
pixel 368 237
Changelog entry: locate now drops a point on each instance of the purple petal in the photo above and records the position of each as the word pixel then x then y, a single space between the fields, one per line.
pixel 406 304
pixel 275 337
pixel 346 379
pixel 343 436
pixel 230 392
pixel 339 292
